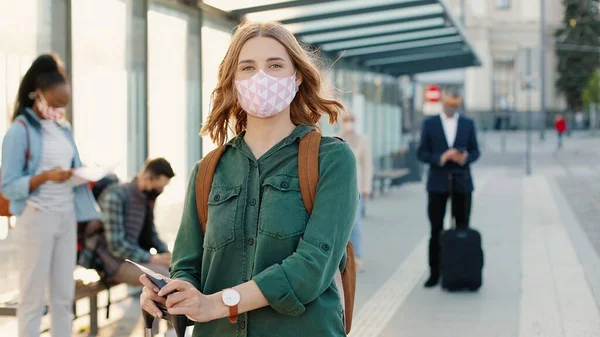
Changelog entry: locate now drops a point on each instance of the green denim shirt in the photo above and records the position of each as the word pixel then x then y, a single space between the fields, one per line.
pixel 258 229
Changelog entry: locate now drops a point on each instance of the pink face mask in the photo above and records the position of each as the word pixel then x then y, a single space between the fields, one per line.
pixel 48 112
pixel 264 96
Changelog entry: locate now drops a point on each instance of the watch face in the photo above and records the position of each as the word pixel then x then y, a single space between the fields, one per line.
pixel 231 297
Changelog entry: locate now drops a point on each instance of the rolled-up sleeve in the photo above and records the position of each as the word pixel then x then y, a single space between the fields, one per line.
pixel 15 181
pixel 309 271
pixel 187 253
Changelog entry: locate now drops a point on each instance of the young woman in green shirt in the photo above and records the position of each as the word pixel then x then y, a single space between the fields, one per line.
pixel 262 256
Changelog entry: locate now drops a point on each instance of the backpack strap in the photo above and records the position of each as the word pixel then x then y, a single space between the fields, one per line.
pixel 349 286
pixel 308 174
pixel 308 168
pixel 206 173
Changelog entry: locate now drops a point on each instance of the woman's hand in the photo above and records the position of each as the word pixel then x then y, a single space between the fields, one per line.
pixel 187 300
pixel 150 295
pixel 57 175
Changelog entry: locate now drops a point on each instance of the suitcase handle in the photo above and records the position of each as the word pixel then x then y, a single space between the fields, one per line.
pixel 451 195
pixel 179 322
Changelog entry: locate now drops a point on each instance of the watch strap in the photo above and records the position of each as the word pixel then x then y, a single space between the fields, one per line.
pixel 233 314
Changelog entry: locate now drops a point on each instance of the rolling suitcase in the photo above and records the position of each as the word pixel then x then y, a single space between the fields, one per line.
pixel 462 256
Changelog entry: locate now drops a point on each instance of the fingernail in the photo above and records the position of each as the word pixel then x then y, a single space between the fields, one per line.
pixel 157 314
pixel 156 290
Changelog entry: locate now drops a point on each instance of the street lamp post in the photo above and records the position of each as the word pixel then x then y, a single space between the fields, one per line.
pixel 528 85
pixel 543 69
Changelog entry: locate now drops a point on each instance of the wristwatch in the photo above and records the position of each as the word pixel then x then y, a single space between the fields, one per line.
pixel 231 298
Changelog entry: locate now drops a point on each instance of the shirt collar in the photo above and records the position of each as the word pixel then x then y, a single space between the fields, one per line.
pixel 32 117
pixel 446 118
pixel 299 132
pixel 36 121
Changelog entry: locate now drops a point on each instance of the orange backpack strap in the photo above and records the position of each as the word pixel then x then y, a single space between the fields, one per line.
pixel 206 173
pixel 308 175
pixel 308 168
pixel 349 286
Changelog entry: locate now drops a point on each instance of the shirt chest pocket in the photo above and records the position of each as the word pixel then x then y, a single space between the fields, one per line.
pixel 222 211
pixel 282 212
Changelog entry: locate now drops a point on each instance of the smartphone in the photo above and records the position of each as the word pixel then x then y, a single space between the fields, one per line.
pixel 156 278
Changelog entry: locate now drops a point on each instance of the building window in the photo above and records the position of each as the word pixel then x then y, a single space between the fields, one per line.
pixel 504 84
pixel 502 4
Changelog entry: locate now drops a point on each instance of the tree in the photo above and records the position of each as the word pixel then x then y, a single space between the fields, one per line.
pixel 576 61
pixel 591 94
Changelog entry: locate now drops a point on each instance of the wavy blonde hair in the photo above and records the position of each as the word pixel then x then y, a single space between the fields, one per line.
pixel 307 108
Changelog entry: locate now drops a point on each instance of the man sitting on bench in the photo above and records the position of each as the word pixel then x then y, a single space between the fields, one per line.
pixel 129 230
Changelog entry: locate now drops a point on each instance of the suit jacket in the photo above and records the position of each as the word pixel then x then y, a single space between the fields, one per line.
pixel 433 144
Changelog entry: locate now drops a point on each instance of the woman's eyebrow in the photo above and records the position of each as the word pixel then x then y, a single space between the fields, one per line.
pixel 270 59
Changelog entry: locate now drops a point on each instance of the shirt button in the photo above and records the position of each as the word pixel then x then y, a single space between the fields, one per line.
pixel 284 184
pixel 250 241
pixel 325 247
pixel 253 202
pixel 217 197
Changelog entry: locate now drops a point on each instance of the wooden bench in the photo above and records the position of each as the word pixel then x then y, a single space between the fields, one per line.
pixel 389 178
pixel 391 170
pixel 9 302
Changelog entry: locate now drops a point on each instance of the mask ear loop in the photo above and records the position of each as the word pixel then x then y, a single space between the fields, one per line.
pixel 32 95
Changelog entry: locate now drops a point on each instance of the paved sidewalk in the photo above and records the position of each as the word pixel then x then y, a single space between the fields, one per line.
pixel 535 284
pixel 541 240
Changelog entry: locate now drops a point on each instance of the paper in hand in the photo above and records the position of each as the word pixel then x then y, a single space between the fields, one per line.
pixel 156 278
pixel 92 174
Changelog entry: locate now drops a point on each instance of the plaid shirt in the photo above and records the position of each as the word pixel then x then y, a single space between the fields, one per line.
pixel 114 214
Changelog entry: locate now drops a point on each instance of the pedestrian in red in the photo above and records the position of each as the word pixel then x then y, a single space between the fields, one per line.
pixel 561 126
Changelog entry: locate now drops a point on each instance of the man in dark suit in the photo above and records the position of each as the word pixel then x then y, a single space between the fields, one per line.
pixel 449 146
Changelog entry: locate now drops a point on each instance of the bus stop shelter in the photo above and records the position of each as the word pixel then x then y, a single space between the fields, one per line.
pixel 395 37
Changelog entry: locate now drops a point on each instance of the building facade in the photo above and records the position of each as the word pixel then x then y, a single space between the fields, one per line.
pixel 501 31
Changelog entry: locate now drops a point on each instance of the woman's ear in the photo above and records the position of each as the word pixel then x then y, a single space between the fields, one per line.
pixel 298 78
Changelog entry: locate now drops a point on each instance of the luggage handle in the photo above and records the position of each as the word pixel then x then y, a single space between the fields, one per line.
pixel 451 195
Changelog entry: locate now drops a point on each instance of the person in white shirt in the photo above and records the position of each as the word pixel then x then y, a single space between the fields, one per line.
pixel 449 145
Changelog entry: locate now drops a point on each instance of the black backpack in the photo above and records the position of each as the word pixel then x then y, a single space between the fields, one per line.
pixel 84 230
pixel 86 256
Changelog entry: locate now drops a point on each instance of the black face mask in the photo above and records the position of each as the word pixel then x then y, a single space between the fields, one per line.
pixel 152 194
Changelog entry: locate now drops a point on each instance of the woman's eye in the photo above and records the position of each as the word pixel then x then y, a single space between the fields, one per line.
pixel 247 68
pixel 276 66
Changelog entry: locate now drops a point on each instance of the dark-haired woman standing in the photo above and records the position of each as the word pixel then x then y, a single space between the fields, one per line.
pixel 43 197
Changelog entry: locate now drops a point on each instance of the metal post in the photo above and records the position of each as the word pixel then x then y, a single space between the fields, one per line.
pixel 137 85
pixel 60 39
pixel 593 116
pixel 411 102
pixel 413 164
pixel 529 126
pixel 543 69
pixel 503 131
